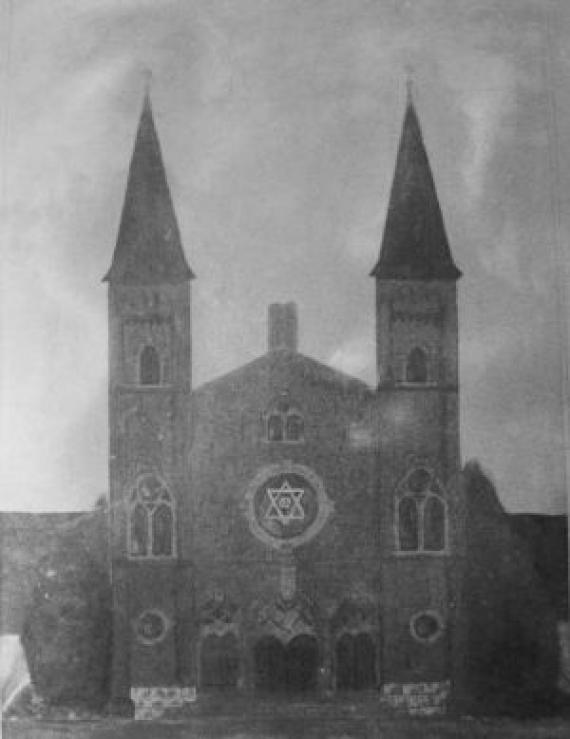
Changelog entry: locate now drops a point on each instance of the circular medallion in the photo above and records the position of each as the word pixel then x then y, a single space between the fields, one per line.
pixel 426 626
pixel 151 627
pixel 286 505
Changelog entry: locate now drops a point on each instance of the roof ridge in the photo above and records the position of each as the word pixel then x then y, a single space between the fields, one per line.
pixel 332 371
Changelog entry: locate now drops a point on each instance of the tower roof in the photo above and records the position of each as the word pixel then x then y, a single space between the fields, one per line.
pixel 148 249
pixel 414 245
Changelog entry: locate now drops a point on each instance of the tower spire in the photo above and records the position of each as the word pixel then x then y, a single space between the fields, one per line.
pixel 414 244
pixel 149 248
pixel 409 84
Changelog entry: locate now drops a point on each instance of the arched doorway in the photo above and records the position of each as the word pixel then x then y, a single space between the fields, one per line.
pixel 302 664
pixel 291 668
pixel 219 661
pixel 270 664
pixel 355 662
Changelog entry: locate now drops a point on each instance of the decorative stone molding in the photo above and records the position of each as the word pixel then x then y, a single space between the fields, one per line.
pixel 152 702
pixel 285 621
pixel 286 505
pixel 416 699
pixel 354 617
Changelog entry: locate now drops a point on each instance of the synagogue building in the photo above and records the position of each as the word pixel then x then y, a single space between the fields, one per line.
pixel 285 528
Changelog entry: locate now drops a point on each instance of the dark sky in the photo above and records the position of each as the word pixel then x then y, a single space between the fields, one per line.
pixel 279 124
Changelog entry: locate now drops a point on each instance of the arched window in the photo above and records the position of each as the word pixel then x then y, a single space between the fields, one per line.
pixel 421 513
pixel 275 427
pixel 149 373
pixel 408 524
pixel 285 424
pixel 434 524
pixel 294 427
pixel 151 519
pixel 417 366
pixel 139 531
pixel 162 525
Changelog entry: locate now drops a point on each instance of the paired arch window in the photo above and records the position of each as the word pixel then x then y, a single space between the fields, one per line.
pixel 151 519
pixel 416 371
pixel 149 366
pixel 421 514
pixel 285 424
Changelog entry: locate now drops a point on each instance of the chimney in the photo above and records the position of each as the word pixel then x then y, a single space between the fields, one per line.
pixel 282 328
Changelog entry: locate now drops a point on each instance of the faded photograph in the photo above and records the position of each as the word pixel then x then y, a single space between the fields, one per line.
pixel 284 368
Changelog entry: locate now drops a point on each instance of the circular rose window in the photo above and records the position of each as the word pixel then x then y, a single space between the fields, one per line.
pixel 426 626
pixel 286 505
pixel 151 627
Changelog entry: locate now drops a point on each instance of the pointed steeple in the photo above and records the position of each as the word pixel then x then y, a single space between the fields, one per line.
pixel 149 249
pixel 414 245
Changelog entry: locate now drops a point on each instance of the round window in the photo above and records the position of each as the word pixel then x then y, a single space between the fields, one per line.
pixel 151 627
pixel 426 626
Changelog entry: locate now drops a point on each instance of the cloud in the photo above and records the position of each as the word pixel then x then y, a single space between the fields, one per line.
pixel 484 85
pixel 355 357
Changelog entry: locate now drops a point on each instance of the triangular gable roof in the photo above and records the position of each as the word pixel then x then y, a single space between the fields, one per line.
pixel 267 363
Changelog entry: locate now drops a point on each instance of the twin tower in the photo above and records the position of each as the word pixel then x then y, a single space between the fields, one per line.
pixel 284 528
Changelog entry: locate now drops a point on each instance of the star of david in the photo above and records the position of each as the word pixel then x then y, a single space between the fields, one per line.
pixel 285 504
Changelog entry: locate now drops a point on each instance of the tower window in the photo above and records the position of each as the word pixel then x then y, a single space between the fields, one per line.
pixel 149 366
pixel 417 366
pixel 151 519
pixel 434 524
pixel 421 514
pixel 285 424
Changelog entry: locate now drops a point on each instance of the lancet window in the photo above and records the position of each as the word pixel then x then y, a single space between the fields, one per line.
pixel 151 519
pixel 421 514
pixel 417 366
pixel 149 366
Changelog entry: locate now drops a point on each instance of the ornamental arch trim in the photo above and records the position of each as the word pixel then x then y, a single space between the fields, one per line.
pixel 421 513
pixel 151 519
pixel 290 513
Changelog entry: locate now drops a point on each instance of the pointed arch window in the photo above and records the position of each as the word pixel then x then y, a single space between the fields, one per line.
pixel 275 427
pixel 408 524
pixel 294 429
pixel 149 366
pixel 285 423
pixel 421 514
pixel 434 524
pixel 151 529
pixel 417 366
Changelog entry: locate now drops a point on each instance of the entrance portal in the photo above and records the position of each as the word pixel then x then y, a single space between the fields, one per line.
pixel 219 661
pixel 292 668
pixel 355 662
